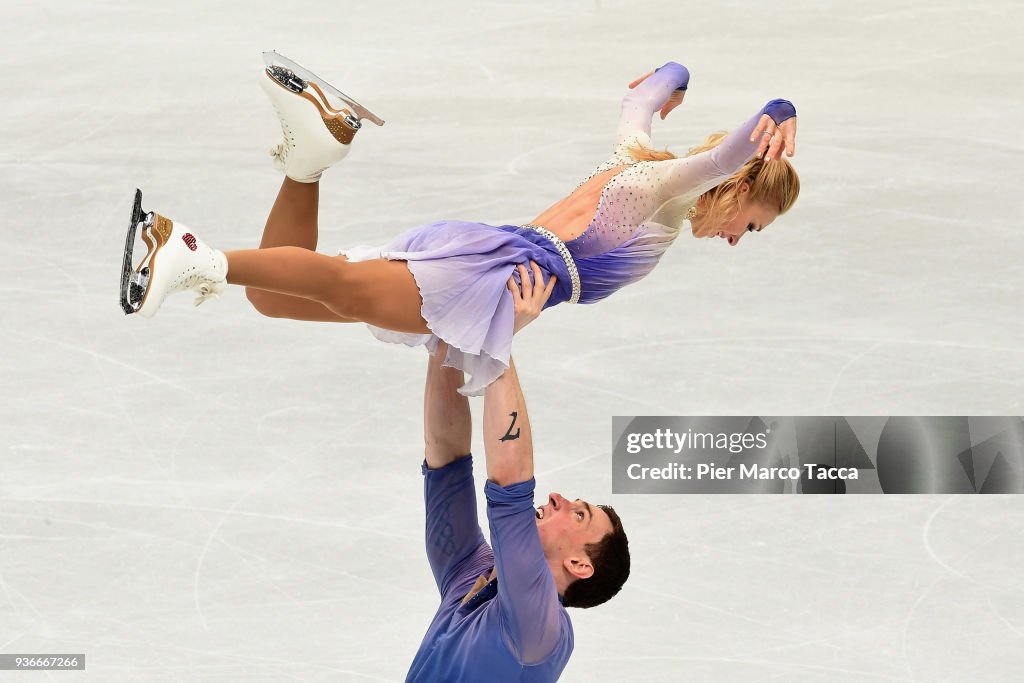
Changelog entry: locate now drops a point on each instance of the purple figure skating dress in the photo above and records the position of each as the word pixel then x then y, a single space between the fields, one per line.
pixel 462 268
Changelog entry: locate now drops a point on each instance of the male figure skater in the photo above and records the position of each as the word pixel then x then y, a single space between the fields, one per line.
pixel 502 615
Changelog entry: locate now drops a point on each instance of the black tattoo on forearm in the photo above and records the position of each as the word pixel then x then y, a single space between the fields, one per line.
pixel 509 436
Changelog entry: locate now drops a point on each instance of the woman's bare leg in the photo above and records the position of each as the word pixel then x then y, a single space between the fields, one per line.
pixel 293 218
pixel 292 222
pixel 380 292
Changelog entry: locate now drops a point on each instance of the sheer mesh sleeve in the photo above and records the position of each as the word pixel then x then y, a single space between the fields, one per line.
pixel 694 175
pixel 640 103
pixel 453 536
pixel 531 613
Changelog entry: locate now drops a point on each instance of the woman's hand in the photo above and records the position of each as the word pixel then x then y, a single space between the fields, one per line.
pixel 674 100
pixel 531 299
pixel 775 138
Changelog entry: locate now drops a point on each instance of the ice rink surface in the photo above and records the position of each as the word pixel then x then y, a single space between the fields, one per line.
pixel 216 496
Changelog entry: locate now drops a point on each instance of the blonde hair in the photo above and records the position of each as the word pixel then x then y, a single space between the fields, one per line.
pixel 776 185
pixel 643 153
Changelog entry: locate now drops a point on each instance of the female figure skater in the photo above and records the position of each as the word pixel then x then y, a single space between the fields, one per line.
pixel 454 280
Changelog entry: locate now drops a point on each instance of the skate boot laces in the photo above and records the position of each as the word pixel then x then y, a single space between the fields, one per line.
pixel 206 292
pixel 279 153
pixel 205 287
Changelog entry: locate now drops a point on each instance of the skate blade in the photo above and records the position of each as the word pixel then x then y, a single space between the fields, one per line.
pixel 133 283
pixel 276 59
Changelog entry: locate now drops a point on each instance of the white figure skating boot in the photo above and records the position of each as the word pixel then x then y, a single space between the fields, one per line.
pixel 176 261
pixel 317 134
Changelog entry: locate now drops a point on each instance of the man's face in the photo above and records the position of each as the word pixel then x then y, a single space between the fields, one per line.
pixel 567 526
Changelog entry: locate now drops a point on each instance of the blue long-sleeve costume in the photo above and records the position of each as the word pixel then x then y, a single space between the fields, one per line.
pixel 515 628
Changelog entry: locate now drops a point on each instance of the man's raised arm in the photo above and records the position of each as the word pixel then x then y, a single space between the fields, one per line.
pixel 454 541
pixel 527 595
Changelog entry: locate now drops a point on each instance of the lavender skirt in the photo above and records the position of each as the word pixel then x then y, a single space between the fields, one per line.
pixel 462 271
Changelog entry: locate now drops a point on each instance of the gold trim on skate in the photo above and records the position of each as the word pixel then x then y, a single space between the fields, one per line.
pixel 323 97
pixel 335 123
pixel 155 236
pixel 273 59
pixel 163 226
pixel 341 131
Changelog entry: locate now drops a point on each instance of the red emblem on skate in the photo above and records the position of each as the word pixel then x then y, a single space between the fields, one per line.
pixel 189 240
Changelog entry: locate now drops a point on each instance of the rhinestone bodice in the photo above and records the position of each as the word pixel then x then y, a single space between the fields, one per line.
pixel 629 201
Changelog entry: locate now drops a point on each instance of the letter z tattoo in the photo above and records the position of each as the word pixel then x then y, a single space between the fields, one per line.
pixel 509 436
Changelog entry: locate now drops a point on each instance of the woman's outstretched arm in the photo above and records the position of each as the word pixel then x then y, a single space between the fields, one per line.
pixel 661 89
pixel 770 132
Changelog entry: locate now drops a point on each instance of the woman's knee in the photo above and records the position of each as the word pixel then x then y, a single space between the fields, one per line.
pixel 263 301
pixel 382 293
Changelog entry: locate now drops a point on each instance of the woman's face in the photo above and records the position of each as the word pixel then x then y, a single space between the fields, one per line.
pixel 751 217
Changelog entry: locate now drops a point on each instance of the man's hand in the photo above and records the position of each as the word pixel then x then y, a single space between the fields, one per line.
pixel 530 300
pixel 674 100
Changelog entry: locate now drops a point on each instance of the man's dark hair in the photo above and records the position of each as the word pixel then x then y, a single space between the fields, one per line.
pixel 610 558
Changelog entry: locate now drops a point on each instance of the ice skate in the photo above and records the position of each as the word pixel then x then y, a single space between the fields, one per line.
pixel 317 134
pixel 176 261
